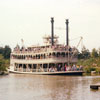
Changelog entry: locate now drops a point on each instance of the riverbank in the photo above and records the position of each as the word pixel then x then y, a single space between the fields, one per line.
pixel 91 64
pixel 4 73
pixel 4 65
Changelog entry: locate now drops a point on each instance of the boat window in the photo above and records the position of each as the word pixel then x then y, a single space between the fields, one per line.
pixel 58 54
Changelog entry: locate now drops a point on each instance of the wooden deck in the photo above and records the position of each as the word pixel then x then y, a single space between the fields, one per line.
pixel 51 73
pixel 94 86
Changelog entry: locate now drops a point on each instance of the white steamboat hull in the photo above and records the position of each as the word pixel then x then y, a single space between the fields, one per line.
pixel 51 73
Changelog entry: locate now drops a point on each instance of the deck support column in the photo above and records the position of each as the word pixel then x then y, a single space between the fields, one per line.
pixel 37 67
pixel 18 67
pixel 15 67
pixel 63 66
pixel 26 67
pixel 42 68
pixel 47 67
pixel 32 68
pixel 22 67
pixel 55 67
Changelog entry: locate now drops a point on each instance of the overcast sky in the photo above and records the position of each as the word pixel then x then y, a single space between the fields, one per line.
pixel 30 20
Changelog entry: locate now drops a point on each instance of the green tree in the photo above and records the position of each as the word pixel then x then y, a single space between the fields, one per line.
pixel 6 52
pixel 94 53
pixel 84 54
pixel 1 50
pixel 99 52
pixel 3 64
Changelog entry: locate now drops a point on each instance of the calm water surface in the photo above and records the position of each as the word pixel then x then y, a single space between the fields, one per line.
pixel 35 87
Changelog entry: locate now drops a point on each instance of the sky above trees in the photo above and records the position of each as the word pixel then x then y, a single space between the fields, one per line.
pixel 30 20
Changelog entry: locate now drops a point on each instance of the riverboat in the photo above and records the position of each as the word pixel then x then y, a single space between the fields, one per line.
pixel 51 58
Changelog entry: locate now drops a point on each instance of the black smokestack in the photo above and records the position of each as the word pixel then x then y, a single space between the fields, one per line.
pixel 52 31
pixel 67 35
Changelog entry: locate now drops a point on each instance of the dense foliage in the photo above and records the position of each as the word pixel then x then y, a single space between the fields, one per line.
pixel 90 60
pixel 5 52
pixel 84 54
pixel 4 58
pixel 4 63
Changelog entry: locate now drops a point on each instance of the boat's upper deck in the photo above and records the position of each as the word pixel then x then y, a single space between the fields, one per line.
pixel 43 49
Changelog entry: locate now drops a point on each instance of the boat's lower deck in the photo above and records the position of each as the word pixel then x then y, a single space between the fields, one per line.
pixel 51 73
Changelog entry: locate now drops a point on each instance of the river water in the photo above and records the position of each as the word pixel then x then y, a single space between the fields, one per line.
pixel 45 87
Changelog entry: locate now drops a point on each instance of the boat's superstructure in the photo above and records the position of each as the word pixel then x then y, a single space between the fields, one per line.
pixel 51 57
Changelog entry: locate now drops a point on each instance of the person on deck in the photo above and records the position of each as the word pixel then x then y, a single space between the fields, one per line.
pixel 81 67
pixel 77 68
pixel 62 69
pixel 59 68
pixel 52 69
pixel 65 67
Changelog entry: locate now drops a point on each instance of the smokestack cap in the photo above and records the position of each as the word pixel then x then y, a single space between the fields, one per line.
pixel 52 19
pixel 67 21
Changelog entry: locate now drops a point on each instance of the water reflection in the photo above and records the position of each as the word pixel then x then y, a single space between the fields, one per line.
pixel 40 87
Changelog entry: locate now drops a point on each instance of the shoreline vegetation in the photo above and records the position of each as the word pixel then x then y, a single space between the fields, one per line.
pixel 90 65
pixel 4 59
pixel 89 60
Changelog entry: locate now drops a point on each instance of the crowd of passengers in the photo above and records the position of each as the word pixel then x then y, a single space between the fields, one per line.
pixel 23 49
pixel 66 68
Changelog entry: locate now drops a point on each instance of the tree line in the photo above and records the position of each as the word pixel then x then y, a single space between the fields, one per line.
pixel 5 51
pixel 86 54
pixel 4 58
pixel 90 60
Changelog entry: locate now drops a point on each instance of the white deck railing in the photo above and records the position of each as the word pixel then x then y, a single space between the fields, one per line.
pixel 41 61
